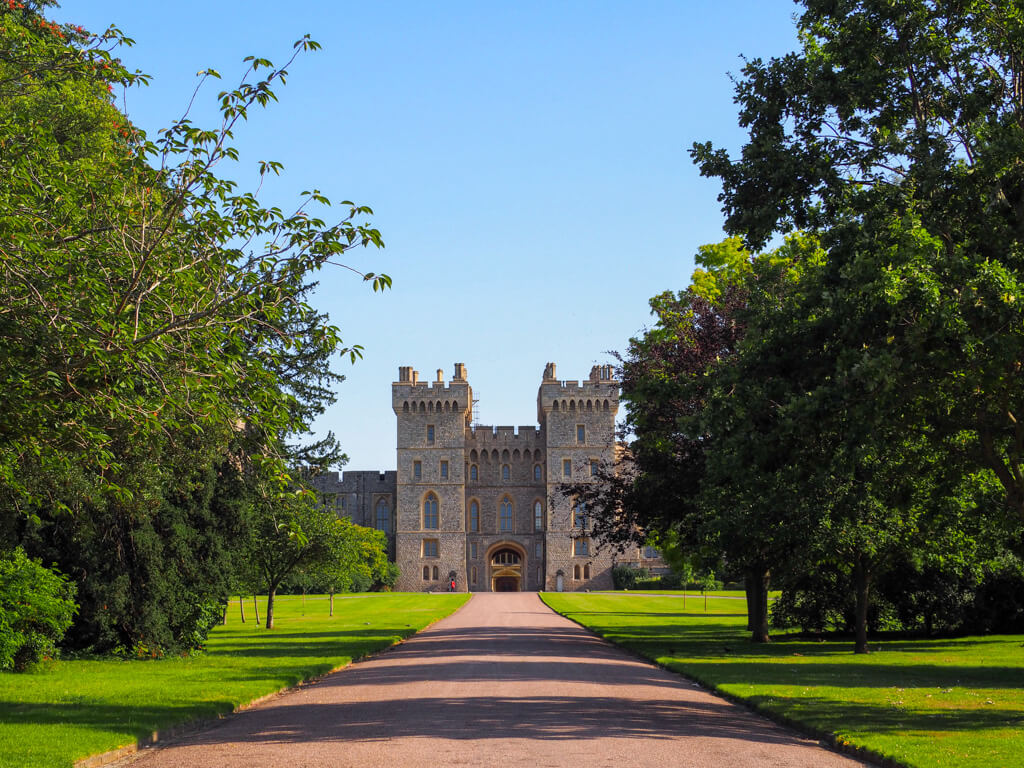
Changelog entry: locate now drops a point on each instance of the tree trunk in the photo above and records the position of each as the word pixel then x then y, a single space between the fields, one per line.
pixel 748 587
pixel 256 607
pixel 270 606
pixel 241 609
pixel 332 603
pixel 757 580
pixel 224 618
pixel 862 580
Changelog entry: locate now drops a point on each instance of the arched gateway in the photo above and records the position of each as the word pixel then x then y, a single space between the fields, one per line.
pixel 506 566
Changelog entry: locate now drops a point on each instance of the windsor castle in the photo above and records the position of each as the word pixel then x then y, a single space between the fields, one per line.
pixel 477 505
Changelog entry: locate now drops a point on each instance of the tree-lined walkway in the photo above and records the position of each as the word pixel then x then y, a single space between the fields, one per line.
pixel 504 680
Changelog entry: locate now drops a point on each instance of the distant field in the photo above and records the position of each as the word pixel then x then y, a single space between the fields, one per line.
pixel 923 703
pixel 82 708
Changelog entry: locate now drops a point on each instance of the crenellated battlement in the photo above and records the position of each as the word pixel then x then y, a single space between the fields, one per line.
pixel 488 436
pixel 409 394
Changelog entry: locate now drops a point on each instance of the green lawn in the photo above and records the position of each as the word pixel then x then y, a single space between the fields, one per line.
pixel 80 708
pixel 956 702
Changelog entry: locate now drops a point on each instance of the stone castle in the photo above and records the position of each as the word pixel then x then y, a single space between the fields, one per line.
pixel 477 505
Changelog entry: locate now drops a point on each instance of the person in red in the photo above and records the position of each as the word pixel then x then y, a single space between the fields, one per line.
pixel 451 587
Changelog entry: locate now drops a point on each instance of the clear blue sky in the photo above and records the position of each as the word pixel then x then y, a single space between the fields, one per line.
pixel 526 161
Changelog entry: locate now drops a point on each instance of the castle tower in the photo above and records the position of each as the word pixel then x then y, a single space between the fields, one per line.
pixel 578 421
pixel 431 485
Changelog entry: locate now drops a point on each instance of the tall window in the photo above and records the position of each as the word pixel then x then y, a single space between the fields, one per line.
pixel 566 468
pixel 581 433
pixel 383 520
pixel 576 572
pixel 580 547
pixel 430 434
pixel 473 473
pixel 505 516
pixel 430 512
pixel 426 573
pixel 473 552
pixel 472 576
pixel 538 516
pixel 536 472
pixel 417 470
pixel 434 572
pixel 538 550
pixel 586 571
pixel 505 472
pixel 474 517
pixel 430 547
pixel 593 467
pixel 579 515
pixel 444 470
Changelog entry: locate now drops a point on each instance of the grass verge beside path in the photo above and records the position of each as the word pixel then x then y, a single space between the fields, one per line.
pixel 922 703
pixel 81 708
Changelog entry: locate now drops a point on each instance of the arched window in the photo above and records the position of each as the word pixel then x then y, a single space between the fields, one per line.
pixel 506 473
pixel 536 472
pixel 572 405
pixel 505 557
pixel 474 516
pixel 405 407
pixel 472 576
pixel 434 572
pixel 473 473
pixel 538 516
pixel 383 519
pixel 579 515
pixel 455 405
pixel 606 405
pixel 586 571
pixel 426 573
pixel 590 405
pixel 423 407
pixel 576 572
pixel 506 517
pixel 430 512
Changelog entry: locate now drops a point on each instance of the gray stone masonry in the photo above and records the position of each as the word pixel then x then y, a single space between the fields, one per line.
pixel 479 503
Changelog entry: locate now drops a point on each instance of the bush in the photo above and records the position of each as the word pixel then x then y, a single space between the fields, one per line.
pixel 36 608
pixel 624 577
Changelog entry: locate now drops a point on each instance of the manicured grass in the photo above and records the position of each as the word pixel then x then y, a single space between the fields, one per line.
pixel 954 702
pixel 80 708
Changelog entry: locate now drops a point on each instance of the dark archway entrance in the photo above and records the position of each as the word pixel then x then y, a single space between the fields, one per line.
pixel 506 570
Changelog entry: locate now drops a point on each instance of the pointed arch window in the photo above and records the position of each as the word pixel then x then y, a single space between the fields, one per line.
pixel 538 516
pixel 382 520
pixel 430 518
pixel 506 472
pixel 506 516
pixel 536 472
pixel 474 516
pixel 473 472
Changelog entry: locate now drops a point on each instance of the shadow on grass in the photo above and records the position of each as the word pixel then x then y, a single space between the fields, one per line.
pixel 866 718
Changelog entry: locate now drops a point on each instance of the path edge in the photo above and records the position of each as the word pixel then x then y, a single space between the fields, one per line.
pixel 827 738
pixel 174 731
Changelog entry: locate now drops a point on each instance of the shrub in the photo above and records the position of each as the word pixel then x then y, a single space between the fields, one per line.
pixel 36 608
pixel 624 577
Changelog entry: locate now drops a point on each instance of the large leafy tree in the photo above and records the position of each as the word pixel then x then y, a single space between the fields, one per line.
pixel 156 343
pixel 903 121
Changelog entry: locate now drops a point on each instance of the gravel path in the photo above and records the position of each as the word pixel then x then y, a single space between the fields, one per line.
pixel 504 681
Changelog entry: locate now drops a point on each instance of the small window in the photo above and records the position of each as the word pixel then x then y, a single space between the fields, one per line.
pixel 434 573
pixel 539 577
pixel 430 512
pixel 473 552
pixel 593 467
pixel 538 516
pixel 580 547
pixel 342 503
pixel 576 572
pixel 417 470
pixel 426 573
pixel 506 473
pixel 473 473
pixel 581 433
pixel 472 575
pixel 579 515
pixel 444 470
pixel 566 468
pixel 586 571
pixel 538 549
pixel 506 516
pixel 536 472
pixel 430 547
pixel 430 434
pixel 474 517
pixel 650 553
